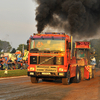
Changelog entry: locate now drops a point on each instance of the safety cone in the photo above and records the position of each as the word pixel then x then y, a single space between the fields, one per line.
pixel 6 71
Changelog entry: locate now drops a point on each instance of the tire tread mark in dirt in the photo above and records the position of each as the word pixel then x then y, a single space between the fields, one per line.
pixel 35 88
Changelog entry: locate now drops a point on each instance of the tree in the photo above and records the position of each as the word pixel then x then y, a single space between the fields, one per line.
pixel 21 47
pixel 5 46
pixel 13 50
pixel 0 49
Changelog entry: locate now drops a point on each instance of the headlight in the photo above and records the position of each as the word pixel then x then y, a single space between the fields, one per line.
pixel 61 69
pixel 32 68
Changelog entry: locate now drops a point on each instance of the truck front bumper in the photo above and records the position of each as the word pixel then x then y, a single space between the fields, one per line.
pixel 48 75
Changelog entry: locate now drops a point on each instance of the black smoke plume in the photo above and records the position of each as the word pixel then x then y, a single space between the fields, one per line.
pixel 79 17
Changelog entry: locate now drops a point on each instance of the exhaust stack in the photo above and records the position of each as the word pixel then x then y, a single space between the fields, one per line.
pixel 71 46
pixel 39 32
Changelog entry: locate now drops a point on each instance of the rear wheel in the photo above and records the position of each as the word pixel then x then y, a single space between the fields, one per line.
pixel 66 81
pixel 93 73
pixel 77 78
pixel 34 79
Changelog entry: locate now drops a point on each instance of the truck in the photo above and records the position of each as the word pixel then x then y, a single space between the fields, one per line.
pixel 84 59
pixel 51 57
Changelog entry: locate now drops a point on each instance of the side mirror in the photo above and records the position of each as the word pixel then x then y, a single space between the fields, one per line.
pixel 27 45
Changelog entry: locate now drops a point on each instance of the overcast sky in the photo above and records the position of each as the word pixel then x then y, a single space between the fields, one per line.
pixel 17 21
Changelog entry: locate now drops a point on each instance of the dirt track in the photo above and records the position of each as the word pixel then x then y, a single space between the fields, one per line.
pixel 22 89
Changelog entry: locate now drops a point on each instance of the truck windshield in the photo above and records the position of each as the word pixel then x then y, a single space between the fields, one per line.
pixel 81 54
pixel 50 45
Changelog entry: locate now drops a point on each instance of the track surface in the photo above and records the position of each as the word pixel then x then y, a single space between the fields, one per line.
pixel 22 89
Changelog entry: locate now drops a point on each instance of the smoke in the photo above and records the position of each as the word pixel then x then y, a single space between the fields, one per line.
pixel 78 17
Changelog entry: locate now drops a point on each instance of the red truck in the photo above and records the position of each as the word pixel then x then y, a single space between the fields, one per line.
pixel 50 57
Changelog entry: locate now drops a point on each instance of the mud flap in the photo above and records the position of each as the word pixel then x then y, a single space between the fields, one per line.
pixel 86 73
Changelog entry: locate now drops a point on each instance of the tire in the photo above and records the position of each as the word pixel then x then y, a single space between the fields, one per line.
pixel 34 80
pixel 66 81
pixel 88 78
pixel 93 73
pixel 77 78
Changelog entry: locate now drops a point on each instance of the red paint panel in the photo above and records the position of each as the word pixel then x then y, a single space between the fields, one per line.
pixel 82 45
pixel 86 73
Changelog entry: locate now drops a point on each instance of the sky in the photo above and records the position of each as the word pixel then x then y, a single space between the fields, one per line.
pixel 17 21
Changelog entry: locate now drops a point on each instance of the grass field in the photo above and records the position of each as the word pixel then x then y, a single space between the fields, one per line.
pixel 12 73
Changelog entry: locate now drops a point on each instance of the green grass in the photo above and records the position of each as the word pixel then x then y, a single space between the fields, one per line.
pixel 12 73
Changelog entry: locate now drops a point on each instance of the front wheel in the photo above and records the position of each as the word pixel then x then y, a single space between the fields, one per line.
pixel 34 79
pixel 66 81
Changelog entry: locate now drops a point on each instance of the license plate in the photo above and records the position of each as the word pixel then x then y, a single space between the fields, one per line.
pixel 31 73
pixel 46 73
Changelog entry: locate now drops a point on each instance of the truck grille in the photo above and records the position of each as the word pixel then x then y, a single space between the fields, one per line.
pixel 46 60
pixel 46 68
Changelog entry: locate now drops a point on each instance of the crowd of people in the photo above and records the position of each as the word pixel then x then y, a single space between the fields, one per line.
pixel 6 63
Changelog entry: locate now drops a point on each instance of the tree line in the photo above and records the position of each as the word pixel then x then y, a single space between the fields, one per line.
pixel 5 46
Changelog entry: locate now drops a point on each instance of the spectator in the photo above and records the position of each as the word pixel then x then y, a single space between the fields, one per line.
pixel 9 64
pixel 16 65
pixel 26 64
pixel 13 65
pixel 5 64
pixel 1 65
pixel 19 64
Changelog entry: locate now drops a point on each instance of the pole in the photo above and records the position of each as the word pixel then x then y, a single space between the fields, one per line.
pixel 71 46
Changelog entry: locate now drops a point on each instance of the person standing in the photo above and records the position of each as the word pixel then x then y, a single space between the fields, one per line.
pixel 9 64
pixel 6 63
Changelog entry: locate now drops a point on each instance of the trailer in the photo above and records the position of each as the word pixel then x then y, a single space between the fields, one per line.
pixel 83 58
